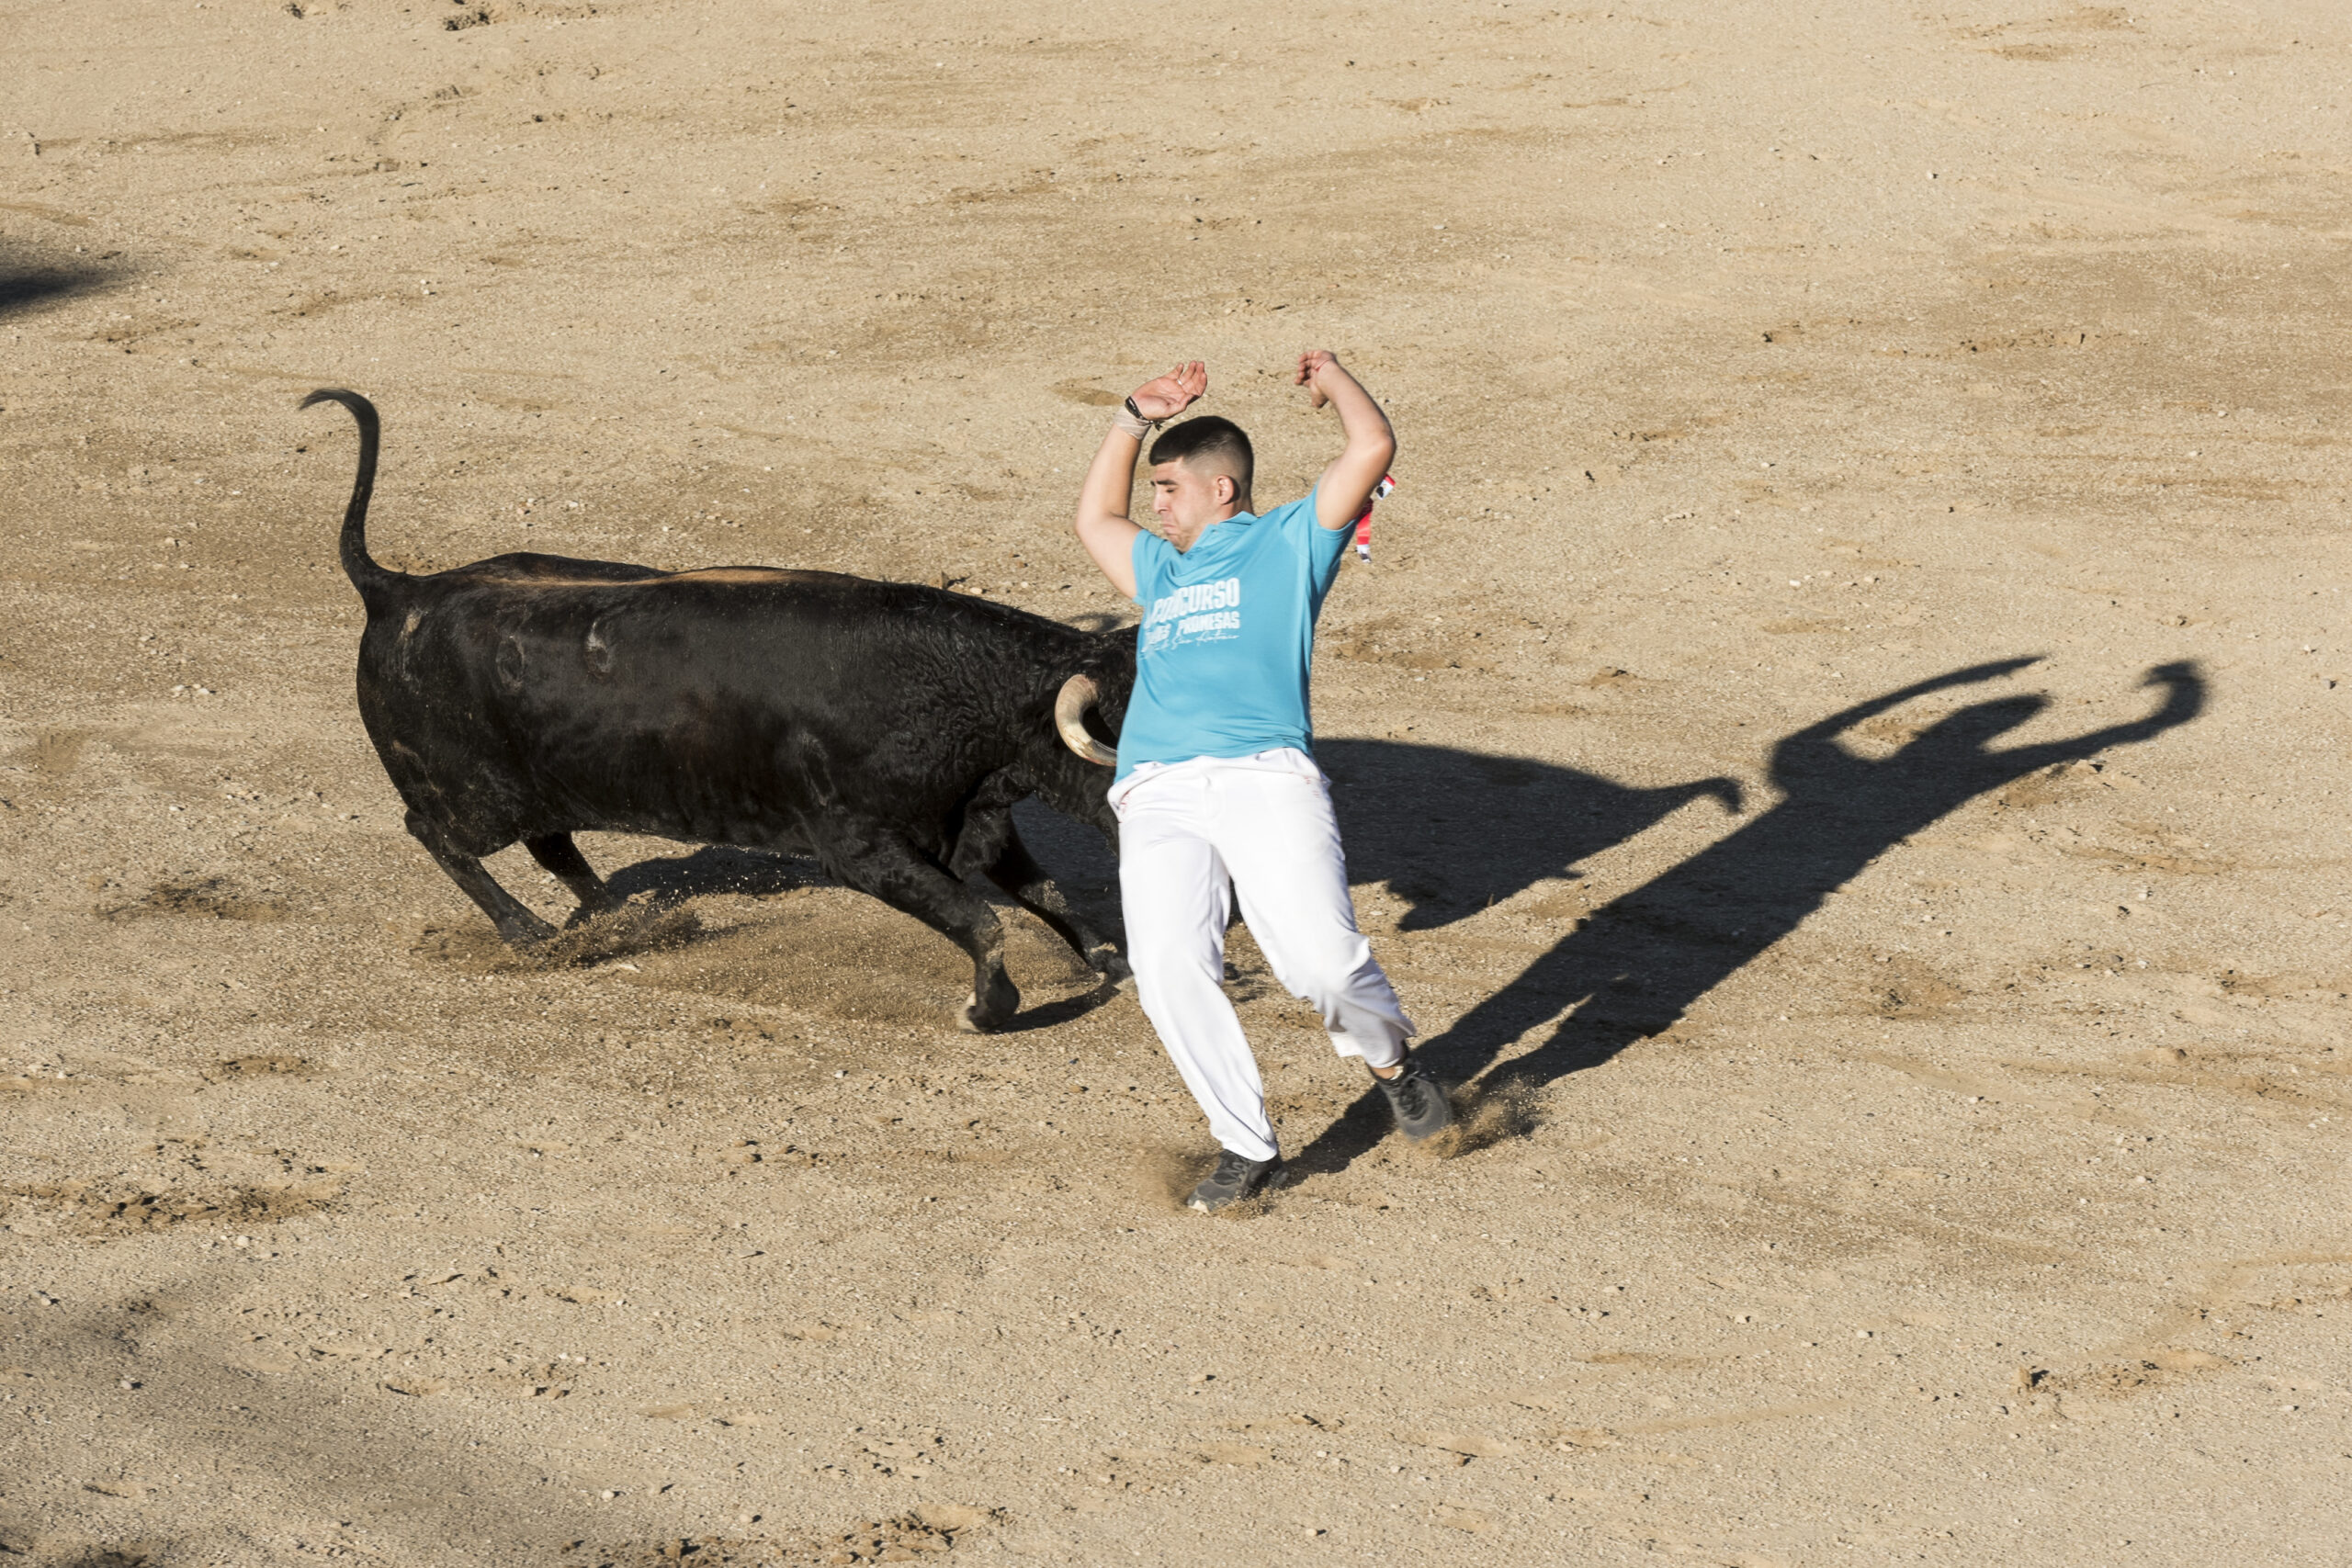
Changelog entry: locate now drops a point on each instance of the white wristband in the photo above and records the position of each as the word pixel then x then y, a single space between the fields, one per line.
pixel 1131 424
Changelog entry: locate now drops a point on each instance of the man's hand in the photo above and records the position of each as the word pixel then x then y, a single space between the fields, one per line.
pixel 1346 485
pixel 1170 395
pixel 1311 364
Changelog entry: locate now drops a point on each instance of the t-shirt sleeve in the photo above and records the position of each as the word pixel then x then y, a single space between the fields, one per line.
pixel 1149 557
pixel 1322 548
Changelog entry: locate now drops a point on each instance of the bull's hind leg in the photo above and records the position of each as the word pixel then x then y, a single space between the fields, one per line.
pixel 878 861
pixel 518 926
pixel 1026 881
pixel 563 861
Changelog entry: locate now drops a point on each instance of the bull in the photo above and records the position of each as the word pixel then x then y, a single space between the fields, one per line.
pixel 883 728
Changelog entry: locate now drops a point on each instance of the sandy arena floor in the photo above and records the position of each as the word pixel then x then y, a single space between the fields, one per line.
pixel 1843 749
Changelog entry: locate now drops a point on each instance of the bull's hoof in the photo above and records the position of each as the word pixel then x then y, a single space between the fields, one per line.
pixel 976 1017
pixel 1109 963
pixel 526 933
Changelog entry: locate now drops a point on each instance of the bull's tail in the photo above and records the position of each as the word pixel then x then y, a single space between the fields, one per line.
pixel 371 579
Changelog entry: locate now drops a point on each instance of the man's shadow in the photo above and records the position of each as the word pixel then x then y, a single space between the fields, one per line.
pixel 1639 962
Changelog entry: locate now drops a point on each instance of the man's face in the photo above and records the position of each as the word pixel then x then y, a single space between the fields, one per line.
pixel 1187 500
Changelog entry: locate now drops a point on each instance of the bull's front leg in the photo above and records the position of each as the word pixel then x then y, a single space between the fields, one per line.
pixel 879 860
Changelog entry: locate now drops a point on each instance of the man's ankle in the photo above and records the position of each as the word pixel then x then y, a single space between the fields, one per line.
pixel 1388 1072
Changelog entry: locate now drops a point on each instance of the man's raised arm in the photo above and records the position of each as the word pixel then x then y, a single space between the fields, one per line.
pixel 1347 484
pixel 1102 525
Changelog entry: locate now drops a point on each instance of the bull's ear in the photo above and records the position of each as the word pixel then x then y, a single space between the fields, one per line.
pixel 1077 694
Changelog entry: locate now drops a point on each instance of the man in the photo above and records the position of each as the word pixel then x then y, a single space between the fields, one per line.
pixel 1216 792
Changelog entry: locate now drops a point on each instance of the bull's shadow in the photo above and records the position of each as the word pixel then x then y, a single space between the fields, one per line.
pixel 670 880
pixel 1451 832
pixel 1637 964
pixel 1447 832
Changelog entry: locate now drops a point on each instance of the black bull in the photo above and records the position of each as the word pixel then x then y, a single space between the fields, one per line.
pixel 885 728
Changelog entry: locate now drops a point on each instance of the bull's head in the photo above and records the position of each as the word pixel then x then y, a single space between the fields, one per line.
pixel 1077 694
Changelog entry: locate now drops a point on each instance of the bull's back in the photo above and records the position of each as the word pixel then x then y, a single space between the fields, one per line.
pixel 723 704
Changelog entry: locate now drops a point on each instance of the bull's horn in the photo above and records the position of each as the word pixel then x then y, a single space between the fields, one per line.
pixel 1077 694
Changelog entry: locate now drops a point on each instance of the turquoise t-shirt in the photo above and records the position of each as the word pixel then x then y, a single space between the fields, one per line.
pixel 1228 637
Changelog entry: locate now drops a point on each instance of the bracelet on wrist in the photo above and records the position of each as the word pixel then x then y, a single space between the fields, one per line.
pixel 1130 421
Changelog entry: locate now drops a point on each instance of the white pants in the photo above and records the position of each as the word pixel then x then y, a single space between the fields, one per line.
pixel 1262 827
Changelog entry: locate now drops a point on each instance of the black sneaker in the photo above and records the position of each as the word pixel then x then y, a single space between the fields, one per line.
pixel 1422 1111
pixel 1238 1177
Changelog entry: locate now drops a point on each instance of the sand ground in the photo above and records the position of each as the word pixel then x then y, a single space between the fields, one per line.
pixel 1909 1082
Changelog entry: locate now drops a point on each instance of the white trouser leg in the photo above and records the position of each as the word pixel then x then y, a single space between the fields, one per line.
pixel 1266 823
pixel 1173 887
pixel 1275 830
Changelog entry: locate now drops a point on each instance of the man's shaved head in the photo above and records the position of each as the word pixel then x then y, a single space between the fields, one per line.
pixel 1208 445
